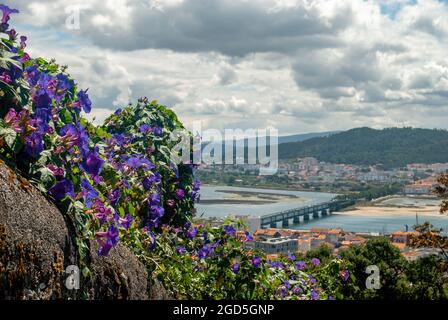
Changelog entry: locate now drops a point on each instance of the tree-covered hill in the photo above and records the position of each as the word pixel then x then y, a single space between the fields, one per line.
pixel 392 147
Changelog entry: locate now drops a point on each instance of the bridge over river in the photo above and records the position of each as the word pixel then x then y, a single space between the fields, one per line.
pixel 303 214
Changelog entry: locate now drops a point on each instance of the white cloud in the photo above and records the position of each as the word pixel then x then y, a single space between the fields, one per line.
pixel 299 65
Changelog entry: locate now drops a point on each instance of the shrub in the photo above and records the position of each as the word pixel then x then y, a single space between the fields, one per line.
pixel 116 182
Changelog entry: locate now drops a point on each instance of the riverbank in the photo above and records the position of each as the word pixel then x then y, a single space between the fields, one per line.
pixel 391 211
pixel 397 206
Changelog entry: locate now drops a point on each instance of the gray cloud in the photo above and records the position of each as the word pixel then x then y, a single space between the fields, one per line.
pixel 294 64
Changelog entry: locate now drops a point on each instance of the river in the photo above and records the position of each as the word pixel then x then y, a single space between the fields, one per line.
pixel 391 215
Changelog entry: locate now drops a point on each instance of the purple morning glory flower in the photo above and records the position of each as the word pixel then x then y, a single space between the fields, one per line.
pixel 45 85
pixel 34 145
pixel 104 248
pixel 314 295
pixel 194 196
pixel 23 42
pixel 126 183
pixel 6 12
pixel 282 291
pixel 63 85
pixel 88 192
pixel 12 34
pixel 101 213
pixel 275 264
pixel 92 163
pixel 230 230
pixel 291 256
pixel 118 111
pixel 236 268
pixel 248 237
pixel 157 211
pixel 297 291
pixel 331 298
pixel 32 75
pixel 139 162
pixel 287 284
pixel 154 199
pixel 57 172
pixel 196 185
pixel 118 139
pixel 73 135
pixel 114 197
pixel 107 240
pixel 315 262
pixel 256 261
pixel 24 58
pixel 84 100
pixel 180 194
pixel 181 250
pixel 144 128
pixel 300 265
pixel 153 243
pixel 204 252
pixel 126 222
pixel 6 78
pixel 62 189
pixel 345 275
pixel 149 181
pixel 191 233
pixel 158 131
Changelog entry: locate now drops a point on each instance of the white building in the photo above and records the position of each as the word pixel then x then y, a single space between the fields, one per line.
pixel 277 245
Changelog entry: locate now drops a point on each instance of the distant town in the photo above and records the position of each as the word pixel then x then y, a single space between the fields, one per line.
pixel 310 174
pixel 275 241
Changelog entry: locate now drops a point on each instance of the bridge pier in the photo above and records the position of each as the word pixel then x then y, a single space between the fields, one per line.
pixel 296 220
pixel 273 225
pixel 324 212
pixel 315 214
pixel 285 223
pixel 306 217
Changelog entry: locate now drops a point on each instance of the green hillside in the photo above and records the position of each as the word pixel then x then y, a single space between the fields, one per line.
pixel 392 147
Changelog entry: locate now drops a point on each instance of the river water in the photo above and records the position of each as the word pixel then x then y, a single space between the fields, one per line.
pixel 282 200
pixel 220 201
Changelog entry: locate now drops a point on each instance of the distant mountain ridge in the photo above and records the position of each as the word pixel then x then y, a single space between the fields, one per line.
pixel 304 136
pixel 293 138
pixel 391 147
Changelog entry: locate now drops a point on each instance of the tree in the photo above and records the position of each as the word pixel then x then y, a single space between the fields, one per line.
pixel 442 191
pixel 381 253
pixel 427 279
pixel 429 237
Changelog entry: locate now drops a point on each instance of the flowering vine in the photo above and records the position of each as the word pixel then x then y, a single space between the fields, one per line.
pixel 117 184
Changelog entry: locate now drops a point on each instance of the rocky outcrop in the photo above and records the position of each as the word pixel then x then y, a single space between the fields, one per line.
pixel 36 246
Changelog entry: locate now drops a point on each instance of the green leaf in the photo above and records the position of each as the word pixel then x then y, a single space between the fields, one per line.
pixel 131 209
pixel 47 177
pixel 9 135
pixel 66 116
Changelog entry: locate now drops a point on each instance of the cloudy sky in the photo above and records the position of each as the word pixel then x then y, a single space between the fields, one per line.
pixel 296 65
